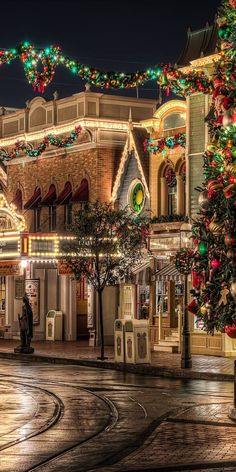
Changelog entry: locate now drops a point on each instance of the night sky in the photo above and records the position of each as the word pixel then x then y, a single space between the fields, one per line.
pixel 119 35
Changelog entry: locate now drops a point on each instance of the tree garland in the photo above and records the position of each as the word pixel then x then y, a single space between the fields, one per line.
pixel 214 233
pixel 158 145
pixel 51 57
pixel 49 140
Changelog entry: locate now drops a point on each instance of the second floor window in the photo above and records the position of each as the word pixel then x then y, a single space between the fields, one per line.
pixel 172 191
pixel 52 217
pixel 68 214
pixel 172 200
pixel 37 212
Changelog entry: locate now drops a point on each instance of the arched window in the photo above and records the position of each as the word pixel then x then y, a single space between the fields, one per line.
pixel 34 204
pixel 170 177
pixel 17 200
pixel 64 198
pixel 174 120
pixel 81 194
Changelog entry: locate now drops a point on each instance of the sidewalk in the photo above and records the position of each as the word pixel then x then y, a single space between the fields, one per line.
pixel 162 364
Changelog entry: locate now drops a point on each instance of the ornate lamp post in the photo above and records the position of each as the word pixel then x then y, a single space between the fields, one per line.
pixel 185 245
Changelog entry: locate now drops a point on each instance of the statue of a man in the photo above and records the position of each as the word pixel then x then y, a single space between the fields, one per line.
pixel 26 327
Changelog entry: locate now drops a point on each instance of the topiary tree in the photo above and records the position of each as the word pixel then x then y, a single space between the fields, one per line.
pixel 106 245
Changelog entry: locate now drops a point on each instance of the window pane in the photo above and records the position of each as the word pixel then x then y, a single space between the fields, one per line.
pixel 175 120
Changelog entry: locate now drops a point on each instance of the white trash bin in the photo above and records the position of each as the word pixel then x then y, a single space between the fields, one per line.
pixel 54 320
pixel 137 342
pixel 119 346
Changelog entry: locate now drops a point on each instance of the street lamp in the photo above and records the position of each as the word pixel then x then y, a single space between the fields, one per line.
pixel 185 243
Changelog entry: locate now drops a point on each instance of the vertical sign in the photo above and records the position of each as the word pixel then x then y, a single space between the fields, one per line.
pixel 32 290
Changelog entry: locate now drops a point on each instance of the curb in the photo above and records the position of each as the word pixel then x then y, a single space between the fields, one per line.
pixel 143 369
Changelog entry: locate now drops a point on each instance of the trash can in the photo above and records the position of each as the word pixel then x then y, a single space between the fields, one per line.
pixel 119 340
pixel 137 342
pixel 54 325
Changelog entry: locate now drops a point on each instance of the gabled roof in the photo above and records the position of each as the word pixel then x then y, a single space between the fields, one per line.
pixel 200 43
pixel 135 142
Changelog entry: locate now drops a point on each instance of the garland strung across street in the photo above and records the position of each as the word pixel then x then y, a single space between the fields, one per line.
pixel 166 75
pixel 49 140
pixel 158 145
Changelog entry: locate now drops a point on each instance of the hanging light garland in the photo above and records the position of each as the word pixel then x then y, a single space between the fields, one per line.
pixel 49 140
pixel 167 76
pixel 170 142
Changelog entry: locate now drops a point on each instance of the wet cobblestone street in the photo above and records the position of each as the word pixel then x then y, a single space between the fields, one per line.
pixel 71 418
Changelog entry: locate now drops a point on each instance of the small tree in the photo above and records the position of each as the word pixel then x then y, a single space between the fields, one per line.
pixel 106 245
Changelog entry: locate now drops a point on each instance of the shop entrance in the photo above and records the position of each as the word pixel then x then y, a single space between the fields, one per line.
pixel 82 309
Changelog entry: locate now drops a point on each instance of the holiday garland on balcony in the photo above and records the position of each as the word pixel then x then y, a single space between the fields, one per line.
pixel 214 232
pixel 49 140
pixel 160 144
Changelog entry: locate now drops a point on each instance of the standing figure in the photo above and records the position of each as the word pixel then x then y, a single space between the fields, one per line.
pixel 26 327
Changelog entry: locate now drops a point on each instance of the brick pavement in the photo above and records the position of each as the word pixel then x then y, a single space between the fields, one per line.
pixel 166 364
pixel 201 436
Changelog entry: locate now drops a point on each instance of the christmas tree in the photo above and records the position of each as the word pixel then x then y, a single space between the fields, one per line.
pixel 214 232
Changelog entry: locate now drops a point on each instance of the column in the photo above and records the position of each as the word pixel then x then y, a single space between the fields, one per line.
pixel 180 194
pixel 171 303
pixel 164 196
pixel 152 299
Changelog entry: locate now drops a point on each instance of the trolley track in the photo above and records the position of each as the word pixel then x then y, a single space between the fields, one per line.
pixel 112 421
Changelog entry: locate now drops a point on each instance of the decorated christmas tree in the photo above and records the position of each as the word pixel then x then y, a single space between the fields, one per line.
pixel 214 232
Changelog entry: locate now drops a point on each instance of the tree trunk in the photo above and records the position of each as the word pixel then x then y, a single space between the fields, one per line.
pixel 101 323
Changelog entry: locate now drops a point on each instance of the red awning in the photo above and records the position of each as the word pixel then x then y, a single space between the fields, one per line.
pixel 34 201
pixel 82 193
pixel 50 197
pixel 65 196
pixel 17 200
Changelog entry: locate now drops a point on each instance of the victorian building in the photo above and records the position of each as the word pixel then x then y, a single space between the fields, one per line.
pixel 71 152
pixel 174 180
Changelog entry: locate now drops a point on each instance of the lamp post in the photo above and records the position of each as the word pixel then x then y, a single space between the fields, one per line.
pixel 185 243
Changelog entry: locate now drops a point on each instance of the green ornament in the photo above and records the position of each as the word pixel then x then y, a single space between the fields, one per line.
pixel 202 248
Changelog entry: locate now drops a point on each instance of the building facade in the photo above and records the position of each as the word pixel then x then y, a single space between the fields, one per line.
pixel 42 189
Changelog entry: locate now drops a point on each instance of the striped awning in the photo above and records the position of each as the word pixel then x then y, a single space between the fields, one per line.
pixel 142 273
pixel 168 272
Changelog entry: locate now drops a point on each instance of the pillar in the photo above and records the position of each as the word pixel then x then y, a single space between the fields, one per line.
pixel 171 303
pixel 180 195
pixel 164 196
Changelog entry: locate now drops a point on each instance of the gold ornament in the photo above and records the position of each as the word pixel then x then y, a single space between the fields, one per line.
pixel 223 296
pixel 215 227
pixel 233 289
pixel 203 310
pixel 231 169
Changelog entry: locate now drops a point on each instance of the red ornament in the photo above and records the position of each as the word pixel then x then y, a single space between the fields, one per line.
pixel 215 263
pixel 228 154
pixel 228 193
pixel 231 331
pixel 196 279
pixel 211 193
pixel 232 3
pixel 193 307
pixel 218 83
